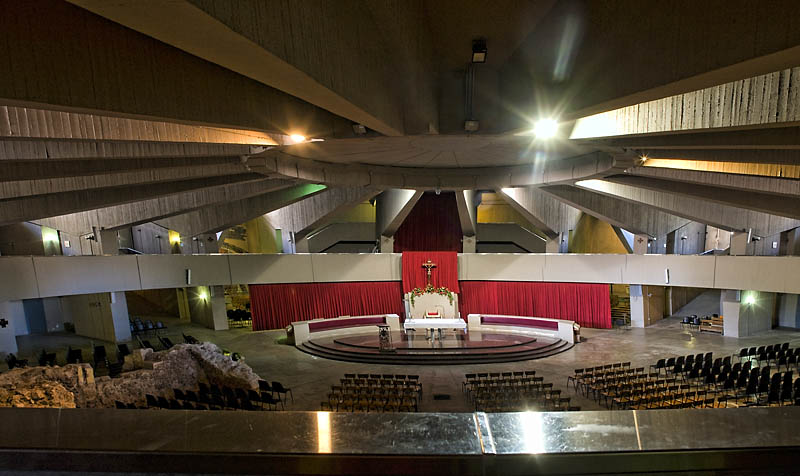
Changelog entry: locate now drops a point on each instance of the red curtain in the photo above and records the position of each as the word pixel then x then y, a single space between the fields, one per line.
pixel 274 306
pixel 444 274
pixel 433 225
pixel 587 304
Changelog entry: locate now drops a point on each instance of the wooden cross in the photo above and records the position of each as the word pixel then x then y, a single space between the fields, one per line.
pixel 429 265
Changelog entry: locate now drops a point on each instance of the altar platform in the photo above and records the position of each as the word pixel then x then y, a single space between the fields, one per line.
pixel 453 348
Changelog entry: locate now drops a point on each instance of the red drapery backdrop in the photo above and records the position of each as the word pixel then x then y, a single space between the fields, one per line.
pixel 274 306
pixel 432 225
pixel 444 274
pixel 587 304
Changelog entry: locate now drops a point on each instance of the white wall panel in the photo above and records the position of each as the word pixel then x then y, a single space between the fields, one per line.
pixel 17 278
pixel 690 271
pixel 501 267
pixel 67 275
pixel 333 267
pixel 568 268
pixel 760 273
pixel 169 271
pixel 270 269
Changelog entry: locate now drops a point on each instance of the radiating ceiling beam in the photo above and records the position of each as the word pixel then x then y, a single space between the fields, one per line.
pixel 316 211
pixel 218 217
pixel 391 209
pixel 721 216
pixel 633 216
pixel 546 213
pixel 734 181
pixel 467 211
pixel 787 138
pixel 130 214
pixel 783 205
pixel 15 210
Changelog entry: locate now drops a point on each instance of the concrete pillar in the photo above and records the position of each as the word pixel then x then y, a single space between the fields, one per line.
pixel 729 307
pixel 207 306
pixel 218 310
pixel 637 305
pixel 387 244
pixel 468 244
pixel 11 314
pixel 640 244
pixel 119 317
pixel 738 243
pixel 391 209
pixel 553 245
pixel 183 305
pixel 789 311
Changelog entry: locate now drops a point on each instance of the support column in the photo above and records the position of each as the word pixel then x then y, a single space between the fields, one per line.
pixel 183 305
pixel 738 243
pixel 467 204
pixel 207 306
pixel 11 314
pixel 120 317
pixel 387 244
pixel 640 244
pixel 637 305
pixel 553 245
pixel 468 244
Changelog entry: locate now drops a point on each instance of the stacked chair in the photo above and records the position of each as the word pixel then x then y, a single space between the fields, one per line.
pixel 374 393
pixel 513 391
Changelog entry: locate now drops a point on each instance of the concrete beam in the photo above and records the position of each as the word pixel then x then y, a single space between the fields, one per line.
pixel 635 217
pixel 307 215
pixel 763 138
pixel 122 216
pixel 748 183
pixel 758 156
pixel 769 203
pixel 151 80
pixel 298 64
pixel 225 215
pixel 721 216
pixel 549 215
pixel 44 124
pixel 467 211
pixel 60 149
pixel 35 177
pixel 391 209
pixel 15 210
pixel 767 99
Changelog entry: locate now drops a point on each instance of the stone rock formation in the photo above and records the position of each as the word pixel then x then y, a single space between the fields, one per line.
pixel 154 373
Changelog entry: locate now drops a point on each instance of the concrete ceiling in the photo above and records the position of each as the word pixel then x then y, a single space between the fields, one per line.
pixel 138 107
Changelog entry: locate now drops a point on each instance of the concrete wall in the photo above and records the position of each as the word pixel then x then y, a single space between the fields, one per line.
pixel 594 236
pixel 33 277
pixel 756 317
pixel 91 315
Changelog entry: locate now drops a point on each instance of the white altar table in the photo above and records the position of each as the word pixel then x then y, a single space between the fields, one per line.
pixel 435 324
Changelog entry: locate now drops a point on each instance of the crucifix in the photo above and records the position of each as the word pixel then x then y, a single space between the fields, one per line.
pixel 429 265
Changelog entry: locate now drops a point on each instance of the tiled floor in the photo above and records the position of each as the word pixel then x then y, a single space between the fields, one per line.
pixel 310 377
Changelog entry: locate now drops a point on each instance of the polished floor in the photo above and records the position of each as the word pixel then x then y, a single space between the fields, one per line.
pixel 310 377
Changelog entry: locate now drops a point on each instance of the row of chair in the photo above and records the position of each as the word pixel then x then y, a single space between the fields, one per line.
pixel 139 327
pixel 374 393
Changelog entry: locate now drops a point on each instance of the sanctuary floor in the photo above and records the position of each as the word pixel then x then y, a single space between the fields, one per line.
pixel 310 377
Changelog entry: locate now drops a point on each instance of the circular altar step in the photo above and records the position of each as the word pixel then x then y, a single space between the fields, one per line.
pixel 453 349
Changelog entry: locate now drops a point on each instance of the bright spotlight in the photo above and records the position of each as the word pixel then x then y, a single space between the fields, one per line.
pixel 297 138
pixel 750 299
pixel 545 128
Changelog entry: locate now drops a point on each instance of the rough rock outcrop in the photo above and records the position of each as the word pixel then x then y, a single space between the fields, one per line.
pixel 154 373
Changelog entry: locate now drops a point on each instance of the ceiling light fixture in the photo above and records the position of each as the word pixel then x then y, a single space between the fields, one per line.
pixel 545 128
pixel 479 50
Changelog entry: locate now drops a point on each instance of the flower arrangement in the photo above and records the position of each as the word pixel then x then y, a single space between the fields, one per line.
pixel 429 289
